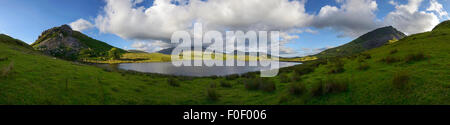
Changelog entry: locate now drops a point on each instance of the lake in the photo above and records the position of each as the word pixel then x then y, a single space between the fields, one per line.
pixel 169 69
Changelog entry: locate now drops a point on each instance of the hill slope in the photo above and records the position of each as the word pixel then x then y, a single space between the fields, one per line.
pixel 65 43
pixel 373 39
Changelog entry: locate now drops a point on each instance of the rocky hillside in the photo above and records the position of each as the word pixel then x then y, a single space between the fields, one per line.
pixel 365 42
pixel 65 43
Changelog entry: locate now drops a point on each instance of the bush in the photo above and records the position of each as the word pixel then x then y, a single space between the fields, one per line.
pixel 330 85
pixel 415 57
pixel 232 77
pixel 8 69
pixel 225 84
pixel 3 58
pixel 393 51
pixel 212 93
pixel 297 88
pixel 173 82
pixel 212 85
pixel 400 79
pixel 267 85
pixel 363 66
pixel 284 78
pixel 336 67
pixel 251 84
pixel 366 56
pixel 303 70
pixel 390 59
pixel 317 90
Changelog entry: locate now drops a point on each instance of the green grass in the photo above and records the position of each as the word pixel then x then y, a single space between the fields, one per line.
pixel 39 79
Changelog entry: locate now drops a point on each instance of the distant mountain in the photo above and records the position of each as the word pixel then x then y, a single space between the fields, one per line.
pixel 168 51
pixel 373 39
pixel 65 43
pixel 136 51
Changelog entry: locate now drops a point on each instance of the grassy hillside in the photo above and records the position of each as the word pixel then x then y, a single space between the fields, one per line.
pixel 373 39
pixel 414 70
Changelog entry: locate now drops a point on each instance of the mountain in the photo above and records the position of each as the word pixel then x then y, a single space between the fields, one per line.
pixel 168 51
pixel 63 42
pixel 373 39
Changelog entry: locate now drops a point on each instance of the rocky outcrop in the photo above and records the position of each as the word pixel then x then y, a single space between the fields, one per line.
pixel 59 42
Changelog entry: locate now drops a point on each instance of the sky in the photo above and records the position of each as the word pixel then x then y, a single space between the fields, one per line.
pixel 306 26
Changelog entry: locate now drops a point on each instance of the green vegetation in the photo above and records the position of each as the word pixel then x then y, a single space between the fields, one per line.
pixel 34 78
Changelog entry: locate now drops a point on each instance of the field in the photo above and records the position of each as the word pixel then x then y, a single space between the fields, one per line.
pixel 413 70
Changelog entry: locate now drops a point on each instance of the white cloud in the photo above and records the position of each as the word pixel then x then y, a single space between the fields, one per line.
pixel 81 25
pixel 152 46
pixel 124 18
pixel 408 19
pixel 437 7
pixel 353 18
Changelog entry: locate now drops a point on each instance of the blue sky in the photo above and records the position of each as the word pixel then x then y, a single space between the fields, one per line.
pixel 26 19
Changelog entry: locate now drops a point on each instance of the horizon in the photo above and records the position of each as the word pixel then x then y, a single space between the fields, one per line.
pixel 307 30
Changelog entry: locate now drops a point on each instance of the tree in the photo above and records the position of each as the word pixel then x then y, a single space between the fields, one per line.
pixel 114 54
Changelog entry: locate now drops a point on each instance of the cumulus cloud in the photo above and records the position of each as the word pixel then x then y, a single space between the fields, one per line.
pixel 437 7
pixel 353 18
pixel 152 46
pixel 126 19
pixel 81 24
pixel 408 19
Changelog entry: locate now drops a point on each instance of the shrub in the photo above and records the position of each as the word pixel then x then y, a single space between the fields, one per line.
pixel 366 56
pixel 173 82
pixel 6 70
pixel 284 78
pixel 303 70
pixel 393 51
pixel 267 85
pixel 390 59
pixel 415 57
pixel 363 66
pixel 297 88
pixel 317 90
pixel 212 85
pixel 3 58
pixel 400 79
pixel 232 77
pixel 330 85
pixel 212 93
pixel 336 67
pixel 334 85
pixel 225 84
pixel 251 84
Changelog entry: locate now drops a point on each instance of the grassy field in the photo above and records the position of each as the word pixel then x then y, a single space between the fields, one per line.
pixel 413 70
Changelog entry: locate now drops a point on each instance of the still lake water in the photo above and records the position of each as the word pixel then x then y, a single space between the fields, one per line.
pixel 169 69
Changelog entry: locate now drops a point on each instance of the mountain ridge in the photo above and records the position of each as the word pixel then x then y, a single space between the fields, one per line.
pixel 370 40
